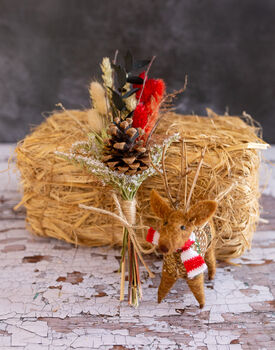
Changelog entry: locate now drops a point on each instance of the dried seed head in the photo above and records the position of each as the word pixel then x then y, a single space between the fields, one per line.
pixel 95 120
pixel 97 93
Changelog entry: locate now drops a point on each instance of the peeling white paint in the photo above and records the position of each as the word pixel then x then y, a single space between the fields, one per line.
pixel 46 299
pixel 38 310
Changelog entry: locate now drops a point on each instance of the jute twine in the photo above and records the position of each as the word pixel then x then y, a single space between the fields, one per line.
pixel 129 209
pixel 53 188
pixel 127 217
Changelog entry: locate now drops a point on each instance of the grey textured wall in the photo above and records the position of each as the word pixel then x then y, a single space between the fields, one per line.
pixel 50 50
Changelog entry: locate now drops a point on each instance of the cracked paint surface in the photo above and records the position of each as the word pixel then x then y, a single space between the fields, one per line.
pixel 53 296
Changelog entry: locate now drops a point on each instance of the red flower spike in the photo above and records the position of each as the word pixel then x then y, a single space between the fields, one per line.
pixel 140 117
pixel 153 87
pixel 159 89
pixel 146 113
pixel 152 118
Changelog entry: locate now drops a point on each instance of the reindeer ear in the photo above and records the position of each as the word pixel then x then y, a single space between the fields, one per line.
pixel 159 206
pixel 201 212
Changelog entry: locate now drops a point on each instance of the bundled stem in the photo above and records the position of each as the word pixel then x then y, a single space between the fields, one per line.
pixel 129 210
pixel 127 216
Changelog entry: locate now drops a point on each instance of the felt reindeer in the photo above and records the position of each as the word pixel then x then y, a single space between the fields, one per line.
pixel 186 239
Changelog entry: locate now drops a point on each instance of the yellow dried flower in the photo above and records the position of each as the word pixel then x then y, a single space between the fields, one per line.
pixel 107 73
pixel 95 121
pixel 98 97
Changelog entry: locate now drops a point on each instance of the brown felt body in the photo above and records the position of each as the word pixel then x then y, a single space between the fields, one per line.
pixel 172 237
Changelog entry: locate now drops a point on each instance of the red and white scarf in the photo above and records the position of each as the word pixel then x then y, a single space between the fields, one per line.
pixel 192 261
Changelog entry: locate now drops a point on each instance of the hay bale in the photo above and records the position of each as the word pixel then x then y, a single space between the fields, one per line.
pixel 53 188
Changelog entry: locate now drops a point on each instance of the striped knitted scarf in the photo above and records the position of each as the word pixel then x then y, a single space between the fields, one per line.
pixel 192 261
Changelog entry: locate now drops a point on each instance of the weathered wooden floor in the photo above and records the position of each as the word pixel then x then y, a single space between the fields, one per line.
pixel 53 296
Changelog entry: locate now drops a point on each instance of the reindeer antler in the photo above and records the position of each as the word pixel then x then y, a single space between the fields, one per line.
pixel 195 178
pixel 167 188
pixel 163 175
pixel 183 175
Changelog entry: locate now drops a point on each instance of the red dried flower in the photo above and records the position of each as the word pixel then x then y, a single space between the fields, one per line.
pixel 152 87
pixel 146 113
pixel 140 117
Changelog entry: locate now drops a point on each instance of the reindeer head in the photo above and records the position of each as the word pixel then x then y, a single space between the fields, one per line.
pixel 177 225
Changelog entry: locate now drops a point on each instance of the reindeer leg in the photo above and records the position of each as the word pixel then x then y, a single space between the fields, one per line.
pixel 197 288
pixel 210 261
pixel 166 283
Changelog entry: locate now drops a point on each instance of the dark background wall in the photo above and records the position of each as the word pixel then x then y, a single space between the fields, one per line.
pixel 50 50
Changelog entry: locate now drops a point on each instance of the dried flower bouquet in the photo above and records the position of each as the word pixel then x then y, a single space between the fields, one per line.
pixel 123 154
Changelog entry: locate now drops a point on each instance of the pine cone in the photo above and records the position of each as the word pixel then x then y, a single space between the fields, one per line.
pixel 124 151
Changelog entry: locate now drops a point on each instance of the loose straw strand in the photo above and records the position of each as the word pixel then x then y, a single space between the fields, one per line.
pixel 70 115
pixel 182 168
pixel 186 178
pixel 167 189
pixel 221 195
pixel 195 178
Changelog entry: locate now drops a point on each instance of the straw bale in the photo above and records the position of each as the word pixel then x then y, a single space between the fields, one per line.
pixel 53 187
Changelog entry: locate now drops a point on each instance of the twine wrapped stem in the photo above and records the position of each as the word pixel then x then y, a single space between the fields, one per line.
pixel 127 216
pixel 134 285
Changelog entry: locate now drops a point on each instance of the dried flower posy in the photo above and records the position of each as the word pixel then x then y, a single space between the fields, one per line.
pixel 121 154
